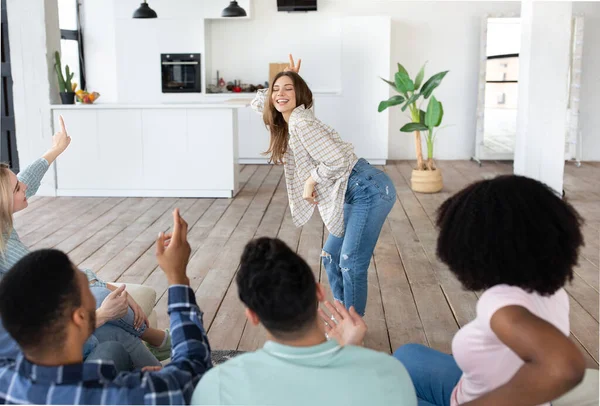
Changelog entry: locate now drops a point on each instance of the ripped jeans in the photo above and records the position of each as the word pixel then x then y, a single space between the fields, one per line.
pixel 370 197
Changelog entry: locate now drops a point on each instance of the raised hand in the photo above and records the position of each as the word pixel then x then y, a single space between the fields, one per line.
pixel 292 67
pixel 347 328
pixel 60 142
pixel 60 139
pixel 173 256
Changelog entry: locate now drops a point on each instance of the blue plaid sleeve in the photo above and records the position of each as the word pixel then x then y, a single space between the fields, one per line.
pixel 175 383
pixel 32 176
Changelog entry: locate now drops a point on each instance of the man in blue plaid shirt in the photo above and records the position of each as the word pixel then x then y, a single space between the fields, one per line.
pixel 52 317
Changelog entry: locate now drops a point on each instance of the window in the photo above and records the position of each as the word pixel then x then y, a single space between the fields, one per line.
pixel 71 41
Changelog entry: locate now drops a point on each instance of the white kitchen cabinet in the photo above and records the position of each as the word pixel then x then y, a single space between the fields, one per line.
pixel 253 137
pixel 165 146
pixel 80 165
pixel 212 151
pixel 179 151
pixel 120 139
pixel 96 136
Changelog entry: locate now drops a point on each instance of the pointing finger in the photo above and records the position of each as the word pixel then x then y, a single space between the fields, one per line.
pixel 62 124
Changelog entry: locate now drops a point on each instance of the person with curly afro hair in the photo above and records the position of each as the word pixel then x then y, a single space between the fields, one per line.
pixel 515 242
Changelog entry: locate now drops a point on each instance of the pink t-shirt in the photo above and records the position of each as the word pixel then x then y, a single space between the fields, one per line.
pixel 486 362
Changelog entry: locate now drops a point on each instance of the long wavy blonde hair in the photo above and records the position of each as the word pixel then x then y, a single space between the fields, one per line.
pixel 274 120
pixel 6 206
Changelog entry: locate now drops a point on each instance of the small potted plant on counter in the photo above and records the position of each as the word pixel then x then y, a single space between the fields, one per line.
pixel 67 88
pixel 426 178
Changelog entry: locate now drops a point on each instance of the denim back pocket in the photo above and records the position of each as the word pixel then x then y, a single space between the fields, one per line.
pixel 384 185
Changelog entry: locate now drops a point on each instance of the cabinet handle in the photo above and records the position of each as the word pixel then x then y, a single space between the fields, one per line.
pixel 180 63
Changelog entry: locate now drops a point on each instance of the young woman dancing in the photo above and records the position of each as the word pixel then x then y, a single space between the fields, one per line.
pixel 322 170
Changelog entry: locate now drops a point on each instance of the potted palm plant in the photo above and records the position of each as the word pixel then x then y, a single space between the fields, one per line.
pixel 426 178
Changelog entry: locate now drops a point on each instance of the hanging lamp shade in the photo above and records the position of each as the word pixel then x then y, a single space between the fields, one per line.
pixel 144 11
pixel 233 10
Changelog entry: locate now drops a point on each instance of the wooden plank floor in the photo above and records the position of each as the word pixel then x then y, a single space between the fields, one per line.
pixel 413 297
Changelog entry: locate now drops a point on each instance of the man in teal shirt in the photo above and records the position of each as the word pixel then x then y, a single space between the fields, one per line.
pixel 298 365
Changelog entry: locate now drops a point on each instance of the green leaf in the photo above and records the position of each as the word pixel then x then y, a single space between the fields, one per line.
pixel 441 115
pixel 392 101
pixel 411 100
pixel 403 83
pixel 432 83
pixel 411 127
pixel 392 84
pixel 435 112
pixel 419 78
pixel 401 69
pixel 421 116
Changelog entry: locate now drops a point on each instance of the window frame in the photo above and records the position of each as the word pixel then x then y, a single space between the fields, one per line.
pixel 76 35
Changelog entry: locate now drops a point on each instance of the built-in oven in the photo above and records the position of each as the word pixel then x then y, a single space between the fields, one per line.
pixel 180 73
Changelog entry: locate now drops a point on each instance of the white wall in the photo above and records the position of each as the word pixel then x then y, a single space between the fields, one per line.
pixel 541 119
pixel 100 49
pixel 244 49
pixel 34 36
pixel 589 119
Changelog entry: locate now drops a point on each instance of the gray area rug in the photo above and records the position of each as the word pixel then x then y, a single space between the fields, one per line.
pixel 220 356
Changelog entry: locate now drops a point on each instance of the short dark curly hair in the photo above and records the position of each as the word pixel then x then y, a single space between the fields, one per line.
pixel 509 230
pixel 37 296
pixel 279 286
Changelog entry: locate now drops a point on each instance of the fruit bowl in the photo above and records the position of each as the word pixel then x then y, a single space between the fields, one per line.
pixel 85 97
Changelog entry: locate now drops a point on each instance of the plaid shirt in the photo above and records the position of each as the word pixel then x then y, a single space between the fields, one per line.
pixel 317 150
pixel 97 382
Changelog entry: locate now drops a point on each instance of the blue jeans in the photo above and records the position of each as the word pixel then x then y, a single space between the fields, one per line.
pixel 433 373
pixel 123 332
pixel 140 354
pixel 90 345
pixel 112 351
pixel 370 196
pixel 126 323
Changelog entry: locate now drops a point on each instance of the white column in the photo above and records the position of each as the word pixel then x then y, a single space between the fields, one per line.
pixel 34 35
pixel 542 104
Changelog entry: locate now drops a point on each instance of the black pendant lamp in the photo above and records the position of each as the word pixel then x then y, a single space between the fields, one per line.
pixel 144 11
pixel 233 10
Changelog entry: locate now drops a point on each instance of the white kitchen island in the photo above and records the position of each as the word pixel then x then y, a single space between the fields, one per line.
pixel 160 150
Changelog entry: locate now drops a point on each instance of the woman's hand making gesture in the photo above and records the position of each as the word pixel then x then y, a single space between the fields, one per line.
pixel 292 67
